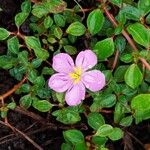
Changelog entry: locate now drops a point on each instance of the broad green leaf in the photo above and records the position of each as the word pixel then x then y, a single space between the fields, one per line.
pixel 59 20
pixel 144 5
pixel 131 12
pixel 104 130
pixel 42 105
pixel 11 105
pixel 74 136
pixel 133 76
pixel 126 121
pixel 36 62
pixel 66 146
pixel 119 73
pixel 76 29
pixel 7 62
pixel 141 105
pixel 4 34
pixel 95 21
pixel 26 101
pixel 120 43
pixel 140 34
pixel 34 43
pixel 71 50
pixel 67 116
pixel 95 120
pixel 99 140
pixel 60 97
pixel 26 6
pixel 48 21
pixel 13 45
pixel 80 146
pixel 47 71
pixel 58 32
pixel 126 58
pixel 117 2
pixel 104 48
pixel 20 18
pixel 116 134
pixel 49 6
pixel 23 58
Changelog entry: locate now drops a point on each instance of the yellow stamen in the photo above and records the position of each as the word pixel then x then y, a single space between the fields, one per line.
pixel 76 75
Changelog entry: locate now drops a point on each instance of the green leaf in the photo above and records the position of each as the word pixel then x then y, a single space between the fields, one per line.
pixel 116 134
pixel 48 21
pixel 131 12
pixel 73 136
pixel 20 18
pixel 126 58
pixel 119 73
pixel 133 76
pixel 76 29
pixel 71 50
pixel 11 105
pixel 59 20
pixel 60 97
pixel 95 120
pixel 66 146
pixel 23 58
pixel 99 140
pixel 95 21
pixel 67 116
pixel 117 2
pixel 120 43
pixel 34 43
pixel 26 101
pixel 104 48
pixel 4 34
pixel 140 34
pixel 58 32
pixel 13 45
pixel 50 6
pixel 42 105
pixel 7 62
pixel 144 5
pixel 141 105
pixel 26 6
pixel 104 130
pixel 127 121
pixel 47 71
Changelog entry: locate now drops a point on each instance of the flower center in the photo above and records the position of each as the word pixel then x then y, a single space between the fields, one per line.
pixel 76 75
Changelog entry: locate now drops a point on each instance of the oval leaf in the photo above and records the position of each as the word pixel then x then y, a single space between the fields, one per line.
pixel 95 21
pixel 4 34
pixel 133 76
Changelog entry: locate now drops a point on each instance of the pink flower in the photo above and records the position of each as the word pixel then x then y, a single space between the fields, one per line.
pixel 75 78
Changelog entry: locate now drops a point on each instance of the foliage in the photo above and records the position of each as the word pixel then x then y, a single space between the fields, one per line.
pixel 55 28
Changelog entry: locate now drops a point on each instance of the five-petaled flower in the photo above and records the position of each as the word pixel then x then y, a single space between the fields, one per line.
pixel 75 78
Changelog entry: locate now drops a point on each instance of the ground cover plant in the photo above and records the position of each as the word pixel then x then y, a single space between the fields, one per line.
pixel 75 75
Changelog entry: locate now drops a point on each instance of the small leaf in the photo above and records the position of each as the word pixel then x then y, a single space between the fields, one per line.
pixel 76 29
pixel 20 18
pixel 58 32
pixel 42 105
pixel 4 34
pixel 116 134
pixel 140 34
pixel 104 130
pixel 26 101
pixel 26 6
pixel 48 21
pixel 71 50
pixel 117 2
pixel 73 136
pixel 95 21
pixel 141 105
pixel 7 62
pixel 95 120
pixel 126 121
pixel 104 48
pixel 11 105
pixel 59 20
pixel 99 140
pixel 133 76
pixel 144 5
pixel 13 45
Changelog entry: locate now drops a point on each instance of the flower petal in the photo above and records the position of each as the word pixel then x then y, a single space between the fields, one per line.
pixel 86 59
pixel 75 94
pixel 94 80
pixel 59 82
pixel 62 62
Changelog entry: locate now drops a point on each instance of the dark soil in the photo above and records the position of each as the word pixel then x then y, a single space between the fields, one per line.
pixel 49 138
